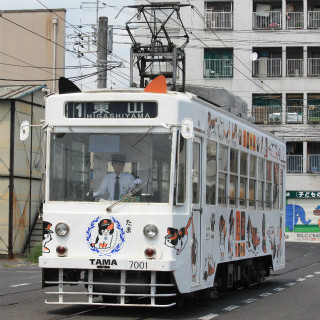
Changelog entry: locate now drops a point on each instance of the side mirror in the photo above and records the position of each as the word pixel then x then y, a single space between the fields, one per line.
pixel 24 130
pixel 187 128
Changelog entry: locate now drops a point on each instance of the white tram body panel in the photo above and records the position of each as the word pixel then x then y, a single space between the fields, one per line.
pixel 216 199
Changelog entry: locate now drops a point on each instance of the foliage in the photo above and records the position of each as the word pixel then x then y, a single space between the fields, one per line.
pixel 35 253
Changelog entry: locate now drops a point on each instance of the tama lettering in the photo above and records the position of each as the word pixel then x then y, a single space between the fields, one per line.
pixel 103 262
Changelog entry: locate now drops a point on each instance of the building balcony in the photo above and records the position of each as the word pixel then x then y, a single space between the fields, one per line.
pixel 313 19
pixel 294 20
pixel 294 67
pixel 218 68
pixel 267 20
pixel 294 114
pixel 314 163
pixel 267 67
pixel 218 20
pixel 266 114
pixel 313 114
pixel 294 164
pixel 313 67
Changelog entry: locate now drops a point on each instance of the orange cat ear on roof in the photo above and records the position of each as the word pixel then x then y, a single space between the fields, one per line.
pixel 157 85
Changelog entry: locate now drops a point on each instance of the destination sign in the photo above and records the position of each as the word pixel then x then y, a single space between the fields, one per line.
pixel 112 110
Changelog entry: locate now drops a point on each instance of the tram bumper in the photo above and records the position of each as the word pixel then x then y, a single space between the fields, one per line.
pixel 117 282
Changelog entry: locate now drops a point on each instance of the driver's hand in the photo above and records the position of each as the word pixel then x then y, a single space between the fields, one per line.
pixel 137 182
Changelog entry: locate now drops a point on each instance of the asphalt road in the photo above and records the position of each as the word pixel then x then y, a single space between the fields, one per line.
pixel 291 293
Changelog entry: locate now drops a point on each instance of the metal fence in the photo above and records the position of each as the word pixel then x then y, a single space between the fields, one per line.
pixel 294 67
pixel 294 163
pixel 314 19
pixel 218 20
pixel 267 20
pixel 314 162
pixel 294 20
pixel 267 114
pixel 218 68
pixel 313 67
pixel 313 114
pixel 294 114
pixel 267 67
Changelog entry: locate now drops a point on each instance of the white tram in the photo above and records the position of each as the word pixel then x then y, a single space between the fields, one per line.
pixel 208 212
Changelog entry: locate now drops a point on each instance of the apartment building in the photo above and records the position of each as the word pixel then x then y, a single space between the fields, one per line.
pixel 268 53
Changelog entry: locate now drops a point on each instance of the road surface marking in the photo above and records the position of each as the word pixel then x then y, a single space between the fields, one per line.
pixel 290 284
pixel 249 300
pixel 230 308
pixel 301 279
pixel 208 316
pixel 266 294
pixel 19 285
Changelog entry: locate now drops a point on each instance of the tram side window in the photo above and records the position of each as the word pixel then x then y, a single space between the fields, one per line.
pixel 281 187
pixel 181 170
pixel 252 180
pixel 233 180
pixel 243 178
pixel 223 167
pixel 260 187
pixel 268 183
pixel 275 185
pixel 211 173
pixel 196 182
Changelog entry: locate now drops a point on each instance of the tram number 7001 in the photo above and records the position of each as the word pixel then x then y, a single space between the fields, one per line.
pixel 138 265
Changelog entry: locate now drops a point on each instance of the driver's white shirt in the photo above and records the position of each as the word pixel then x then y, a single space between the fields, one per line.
pixel 106 189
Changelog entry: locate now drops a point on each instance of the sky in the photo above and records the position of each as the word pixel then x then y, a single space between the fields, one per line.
pixel 84 13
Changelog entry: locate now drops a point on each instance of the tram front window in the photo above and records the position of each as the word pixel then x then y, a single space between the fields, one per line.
pixel 86 166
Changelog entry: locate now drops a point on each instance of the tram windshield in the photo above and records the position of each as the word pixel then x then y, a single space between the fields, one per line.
pixel 131 167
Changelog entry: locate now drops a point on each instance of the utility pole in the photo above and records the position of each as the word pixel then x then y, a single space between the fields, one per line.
pixel 102 52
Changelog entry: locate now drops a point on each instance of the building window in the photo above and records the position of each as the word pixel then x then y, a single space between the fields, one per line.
pixel 218 63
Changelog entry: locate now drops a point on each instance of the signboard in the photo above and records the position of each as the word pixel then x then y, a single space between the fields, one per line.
pixel 112 110
pixel 303 194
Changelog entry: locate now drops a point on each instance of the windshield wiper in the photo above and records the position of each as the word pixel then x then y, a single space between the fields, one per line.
pixel 127 196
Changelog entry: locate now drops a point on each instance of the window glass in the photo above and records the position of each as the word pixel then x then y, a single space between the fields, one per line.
pixel 223 158
pixel 233 161
pixel 268 195
pixel 196 173
pixel 260 194
pixel 211 173
pixel 243 191
pixel 253 164
pixel 181 168
pixel 252 191
pixel 222 188
pixel 82 166
pixel 233 186
pixel 269 171
pixel 281 187
pixel 243 163
pixel 276 186
pixel 261 169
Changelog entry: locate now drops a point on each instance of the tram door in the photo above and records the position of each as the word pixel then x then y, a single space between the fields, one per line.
pixel 196 211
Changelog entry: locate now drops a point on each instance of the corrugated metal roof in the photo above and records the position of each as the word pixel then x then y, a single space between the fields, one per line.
pixel 18 91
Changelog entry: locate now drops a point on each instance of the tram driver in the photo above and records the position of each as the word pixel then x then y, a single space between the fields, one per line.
pixel 117 184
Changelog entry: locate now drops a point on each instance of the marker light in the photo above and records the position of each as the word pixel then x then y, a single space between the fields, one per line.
pixel 150 230
pixel 150 253
pixel 61 250
pixel 62 229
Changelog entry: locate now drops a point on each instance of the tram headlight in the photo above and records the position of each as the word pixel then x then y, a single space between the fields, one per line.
pixel 150 230
pixel 62 229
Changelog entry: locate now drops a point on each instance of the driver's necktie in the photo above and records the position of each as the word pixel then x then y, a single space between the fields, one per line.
pixel 116 193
